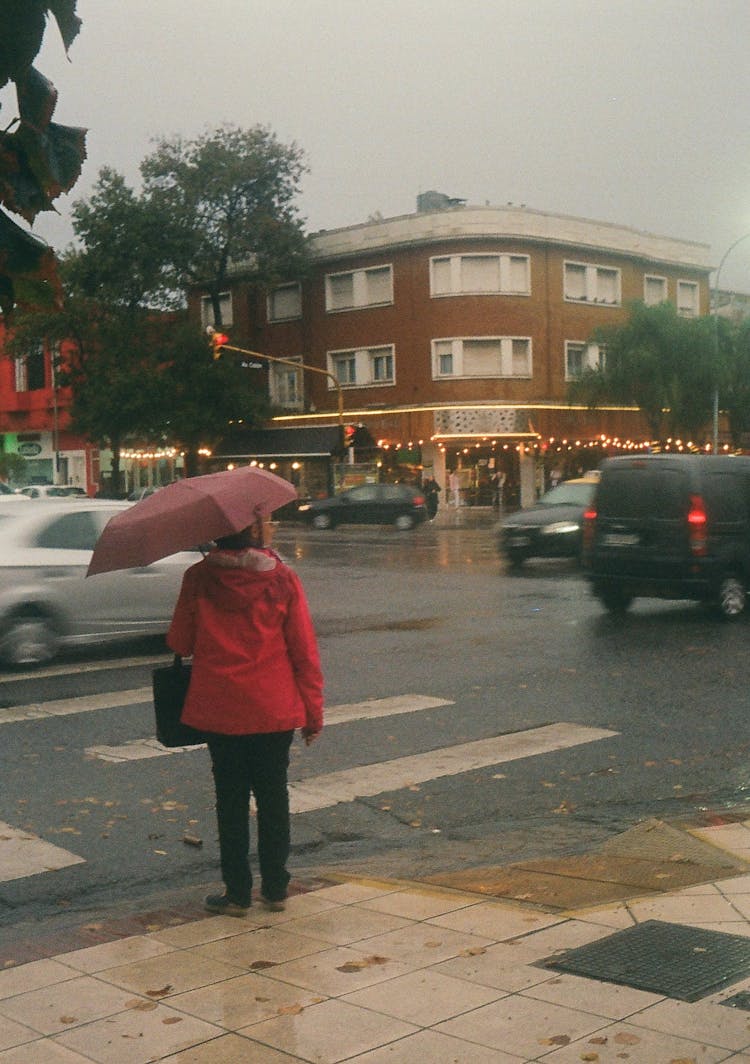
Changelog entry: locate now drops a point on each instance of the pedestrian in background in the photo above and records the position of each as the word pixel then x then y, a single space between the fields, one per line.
pixel 243 616
pixel 432 490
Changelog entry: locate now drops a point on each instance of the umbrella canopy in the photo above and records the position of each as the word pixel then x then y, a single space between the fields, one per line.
pixel 183 515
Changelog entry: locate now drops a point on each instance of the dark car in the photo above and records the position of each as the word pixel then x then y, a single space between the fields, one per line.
pixel 550 529
pixel 671 526
pixel 368 504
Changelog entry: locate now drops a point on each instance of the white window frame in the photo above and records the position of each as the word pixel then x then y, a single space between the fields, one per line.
pixel 594 357
pixel 360 297
pixel 271 317
pixel 664 287
pixel 207 310
pixel 459 288
pixel 693 310
pixel 364 366
pixel 278 376
pixel 592 273
pixel 456 354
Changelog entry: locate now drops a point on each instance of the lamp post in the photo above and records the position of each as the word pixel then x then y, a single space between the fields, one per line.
pixel 724 258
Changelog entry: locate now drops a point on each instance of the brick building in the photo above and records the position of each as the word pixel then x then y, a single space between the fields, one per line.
pixel 454 333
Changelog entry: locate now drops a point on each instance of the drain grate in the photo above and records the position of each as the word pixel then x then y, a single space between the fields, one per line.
pixel 685 963
pixel 740 1000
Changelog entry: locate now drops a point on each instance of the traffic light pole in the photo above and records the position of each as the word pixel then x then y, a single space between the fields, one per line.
pixel 219 347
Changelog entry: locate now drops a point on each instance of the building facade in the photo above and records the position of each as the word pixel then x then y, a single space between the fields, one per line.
pixel 454 333
pixel 35 423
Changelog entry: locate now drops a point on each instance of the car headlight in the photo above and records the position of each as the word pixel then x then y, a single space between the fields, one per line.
pixel 303 508
pixel 560 528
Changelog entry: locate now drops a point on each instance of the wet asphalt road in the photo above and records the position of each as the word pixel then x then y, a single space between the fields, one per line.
pixel 431 612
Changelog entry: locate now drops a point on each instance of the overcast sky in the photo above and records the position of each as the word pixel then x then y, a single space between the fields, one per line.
pixel 628 111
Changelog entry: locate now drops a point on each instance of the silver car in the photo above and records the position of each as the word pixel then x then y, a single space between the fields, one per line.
pixel 45 600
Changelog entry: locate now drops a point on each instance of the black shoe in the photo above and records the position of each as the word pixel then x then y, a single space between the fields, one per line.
pixel 224 906
pixel 275 906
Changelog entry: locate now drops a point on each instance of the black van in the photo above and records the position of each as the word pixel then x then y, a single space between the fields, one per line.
pixel 670 526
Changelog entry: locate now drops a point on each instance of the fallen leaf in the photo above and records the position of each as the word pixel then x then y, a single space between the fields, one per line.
pixel 160 993
pixel 258 965
pixel 625 1039
pixel 139 1005
pixel 555 1040
pixel 351 966
pixel 472 951
pixel 192 840
pixel 68 1019
pixel 162 852
pixel 290 1010
pixel 172 1019
pixel 599 1040
pixel 589 1056
pixel 415 823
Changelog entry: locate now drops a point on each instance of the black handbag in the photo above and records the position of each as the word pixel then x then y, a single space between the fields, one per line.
pixel 170 684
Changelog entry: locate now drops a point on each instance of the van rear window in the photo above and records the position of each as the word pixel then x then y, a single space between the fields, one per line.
pixel 724 495
pixel 633 493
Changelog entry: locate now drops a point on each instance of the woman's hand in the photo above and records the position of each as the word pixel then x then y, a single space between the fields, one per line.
pixel 309 735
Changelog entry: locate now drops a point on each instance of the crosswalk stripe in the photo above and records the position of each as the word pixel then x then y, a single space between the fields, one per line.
pixel 25 854
pixel 63 707
pixel 139 749
pixel 321 792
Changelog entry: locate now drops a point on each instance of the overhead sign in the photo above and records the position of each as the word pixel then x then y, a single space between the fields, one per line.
pixel 29 450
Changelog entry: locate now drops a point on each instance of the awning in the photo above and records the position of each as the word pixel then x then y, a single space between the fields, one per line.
pixel 320 441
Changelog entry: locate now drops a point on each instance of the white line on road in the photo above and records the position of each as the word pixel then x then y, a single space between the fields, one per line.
pixel 25 854
pixel 321 792
pixel 63 707
pixel 139 749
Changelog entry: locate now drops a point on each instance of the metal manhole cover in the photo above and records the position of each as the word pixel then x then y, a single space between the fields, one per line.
pixel 685 963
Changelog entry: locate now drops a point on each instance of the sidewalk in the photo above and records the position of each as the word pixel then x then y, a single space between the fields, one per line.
pixel 391 973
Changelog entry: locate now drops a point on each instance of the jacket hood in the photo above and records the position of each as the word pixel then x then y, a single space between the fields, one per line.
pixel 235 578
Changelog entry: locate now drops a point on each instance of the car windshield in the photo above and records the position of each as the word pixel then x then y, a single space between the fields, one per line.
pixel 569 494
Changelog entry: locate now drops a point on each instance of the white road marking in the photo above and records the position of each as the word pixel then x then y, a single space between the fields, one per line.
pixel 25 854
pixel 139 749
pixel 63 707
pixel 321 792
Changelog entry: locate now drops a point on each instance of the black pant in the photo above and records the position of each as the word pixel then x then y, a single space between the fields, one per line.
pixel 257 763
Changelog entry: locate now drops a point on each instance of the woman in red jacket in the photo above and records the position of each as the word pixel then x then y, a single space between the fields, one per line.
pixel 243 616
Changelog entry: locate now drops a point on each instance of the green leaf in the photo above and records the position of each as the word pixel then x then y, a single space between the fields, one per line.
pixel 68 23
pixel 37 97
pixel 28 269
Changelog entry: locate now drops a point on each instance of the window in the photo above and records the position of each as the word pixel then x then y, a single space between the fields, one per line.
pixel 580 356
pixel 207 310
pixel 285 385
pixel 366 366
pixel 359 288
pixel 284 302
pixel 486 356
pixel 687 298
pixel 30 370
pixel 591 284
pixel 654 290
pixel 452 275
pixel 74 531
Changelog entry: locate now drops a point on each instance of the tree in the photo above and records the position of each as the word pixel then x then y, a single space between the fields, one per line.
pixel 197 397
pixel 229 197
pixel 733 342
pixel 39 159
pixel 660 362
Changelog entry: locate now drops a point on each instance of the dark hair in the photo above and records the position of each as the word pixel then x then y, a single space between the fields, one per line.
pixel 238 540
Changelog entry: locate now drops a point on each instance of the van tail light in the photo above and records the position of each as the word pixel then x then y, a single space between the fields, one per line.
pixel 419 500
pixel 589 527
pixel 697 522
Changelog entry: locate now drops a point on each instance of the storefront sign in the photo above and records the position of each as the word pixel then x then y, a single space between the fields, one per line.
pixel 29 450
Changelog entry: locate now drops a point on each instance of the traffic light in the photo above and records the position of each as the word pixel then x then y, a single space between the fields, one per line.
pixel 218 340
pixel 347 436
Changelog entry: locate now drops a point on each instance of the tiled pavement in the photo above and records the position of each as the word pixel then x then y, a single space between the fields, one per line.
pixel 372 972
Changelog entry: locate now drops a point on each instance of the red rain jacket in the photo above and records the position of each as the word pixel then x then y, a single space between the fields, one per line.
pixel 243 616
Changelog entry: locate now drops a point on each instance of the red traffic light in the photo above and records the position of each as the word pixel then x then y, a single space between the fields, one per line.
pixel 218 340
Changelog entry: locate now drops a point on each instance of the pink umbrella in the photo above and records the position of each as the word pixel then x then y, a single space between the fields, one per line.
pixel 185 514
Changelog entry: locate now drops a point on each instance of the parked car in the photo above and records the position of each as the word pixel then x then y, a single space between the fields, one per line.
pixel 45 602
pixel 368 504
pixel 552 528
pixel 141 493
pixel 51 491
pixel 671 526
